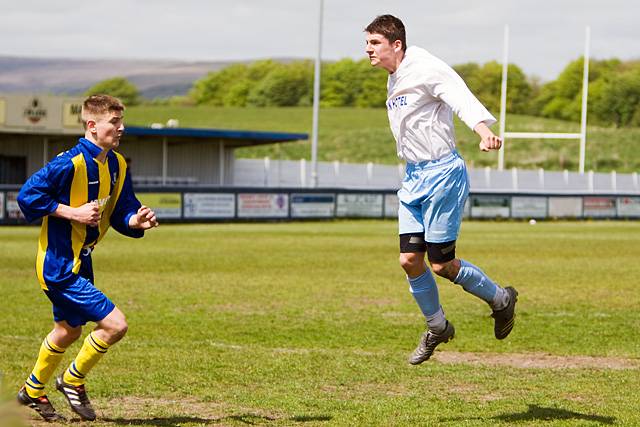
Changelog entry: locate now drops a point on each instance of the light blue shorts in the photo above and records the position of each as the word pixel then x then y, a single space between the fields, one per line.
pixel 432 198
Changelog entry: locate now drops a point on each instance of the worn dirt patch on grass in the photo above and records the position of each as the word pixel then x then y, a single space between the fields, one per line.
pixel 147 411
pixel 537 360
pixel 515 360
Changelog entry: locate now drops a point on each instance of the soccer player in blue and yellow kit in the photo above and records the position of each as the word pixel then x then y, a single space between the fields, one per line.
pixel 79 195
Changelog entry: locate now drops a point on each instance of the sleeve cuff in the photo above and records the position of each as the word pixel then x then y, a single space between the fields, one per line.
pixel 126 221
pixel 54 206
pixel 487 120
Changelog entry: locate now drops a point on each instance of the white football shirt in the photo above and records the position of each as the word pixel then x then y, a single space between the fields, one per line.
pixel 423 93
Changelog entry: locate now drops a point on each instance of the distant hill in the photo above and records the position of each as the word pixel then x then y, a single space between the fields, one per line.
pixel 154 78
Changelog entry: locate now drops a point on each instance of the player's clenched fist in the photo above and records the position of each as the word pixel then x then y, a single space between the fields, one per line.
pixel 491 142
pixel 88 214
pixel 144 219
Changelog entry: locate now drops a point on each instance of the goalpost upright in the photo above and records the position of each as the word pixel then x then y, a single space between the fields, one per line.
pixel 582 136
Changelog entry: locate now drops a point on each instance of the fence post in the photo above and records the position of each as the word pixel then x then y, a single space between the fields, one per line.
pixel 267 171
pixel 514 177
pixel 634 178
pixel 591 179
pixel 565 175
pixel 278 173
pixel 369 173
pixel 487 176
pixel 336 173
pixel 614 181
pixel 541 178
pixel 303 173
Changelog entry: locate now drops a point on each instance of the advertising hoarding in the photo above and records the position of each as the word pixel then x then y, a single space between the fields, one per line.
pixel 209 205
pixel 486 206
pixel 359 205
pixel 391 203
pixel 528 207
pixel 312 205
pixel 565 207
pixel 628 207
pixel 165 205
pixel 263 205
pixel 599 207
pixel 13 210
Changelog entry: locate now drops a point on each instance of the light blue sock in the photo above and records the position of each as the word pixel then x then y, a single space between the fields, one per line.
pixel 474 281
pixel 425 292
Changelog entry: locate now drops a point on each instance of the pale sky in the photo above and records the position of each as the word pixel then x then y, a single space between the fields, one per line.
pixel 545 34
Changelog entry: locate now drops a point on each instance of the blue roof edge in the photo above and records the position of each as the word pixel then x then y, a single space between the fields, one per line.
pixel 215 133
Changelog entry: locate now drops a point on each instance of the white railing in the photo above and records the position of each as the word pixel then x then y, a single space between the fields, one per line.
pixel 296 174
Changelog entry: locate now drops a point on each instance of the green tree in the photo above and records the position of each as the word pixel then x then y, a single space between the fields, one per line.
pixel 485 82
pixel 469 72
pixel 373 92
pixel 212 88
pixel 284 86
pixel 562 98
pixel 341 83
pixel 237 93
pixel 119 87
pixel 619 101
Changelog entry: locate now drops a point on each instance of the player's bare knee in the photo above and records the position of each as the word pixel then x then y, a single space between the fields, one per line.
pixel 438 268
pixel 119 330
pixel 410 261
pixel 64 335
pixel 114 327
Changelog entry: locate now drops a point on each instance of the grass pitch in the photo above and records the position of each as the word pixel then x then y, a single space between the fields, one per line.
pixel 311 323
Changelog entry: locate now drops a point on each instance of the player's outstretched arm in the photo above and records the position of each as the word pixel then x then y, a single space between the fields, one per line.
pixel 144 219
pixel 488 140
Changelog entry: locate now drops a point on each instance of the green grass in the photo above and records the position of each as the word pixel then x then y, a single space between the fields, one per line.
pixel 362 135
pixel 311 323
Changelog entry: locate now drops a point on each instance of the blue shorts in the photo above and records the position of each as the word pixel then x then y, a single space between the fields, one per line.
pixel 432 198
pixel 79 302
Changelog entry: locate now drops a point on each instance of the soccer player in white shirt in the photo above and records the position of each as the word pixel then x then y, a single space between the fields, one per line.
pixel 423 93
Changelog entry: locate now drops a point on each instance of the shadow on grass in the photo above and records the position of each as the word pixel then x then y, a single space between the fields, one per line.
pixel 541 413
pixel 536 412
pixel 249 419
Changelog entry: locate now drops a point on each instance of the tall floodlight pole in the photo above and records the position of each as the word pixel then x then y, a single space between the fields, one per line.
pixel 585 93
pixel 316 103
pixel 503 96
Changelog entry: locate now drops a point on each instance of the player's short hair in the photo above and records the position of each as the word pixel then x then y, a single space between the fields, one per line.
pixel 390 27
pixel 97 105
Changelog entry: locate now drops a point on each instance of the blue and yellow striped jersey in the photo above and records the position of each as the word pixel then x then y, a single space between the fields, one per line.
pixel 74 178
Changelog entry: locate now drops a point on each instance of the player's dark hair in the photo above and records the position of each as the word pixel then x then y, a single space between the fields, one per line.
pixel 99 104
pixel 390 27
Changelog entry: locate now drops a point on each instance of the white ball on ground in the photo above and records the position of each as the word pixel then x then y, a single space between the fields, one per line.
pixel 532 221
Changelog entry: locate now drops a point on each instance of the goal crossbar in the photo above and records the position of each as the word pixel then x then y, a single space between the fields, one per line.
pixel 541 135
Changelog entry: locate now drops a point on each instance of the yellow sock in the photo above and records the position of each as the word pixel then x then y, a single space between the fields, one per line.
pixel 48 359
pixel 91 352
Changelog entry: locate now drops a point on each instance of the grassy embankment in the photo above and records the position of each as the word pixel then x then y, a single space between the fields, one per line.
pixel 362 135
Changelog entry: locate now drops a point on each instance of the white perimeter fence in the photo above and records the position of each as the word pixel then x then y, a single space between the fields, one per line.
pixel 269 173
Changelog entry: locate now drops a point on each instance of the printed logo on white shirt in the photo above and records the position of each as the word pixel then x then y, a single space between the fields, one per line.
pixel 397 102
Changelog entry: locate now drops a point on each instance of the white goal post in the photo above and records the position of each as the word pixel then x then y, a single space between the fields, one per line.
pixel 582 136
